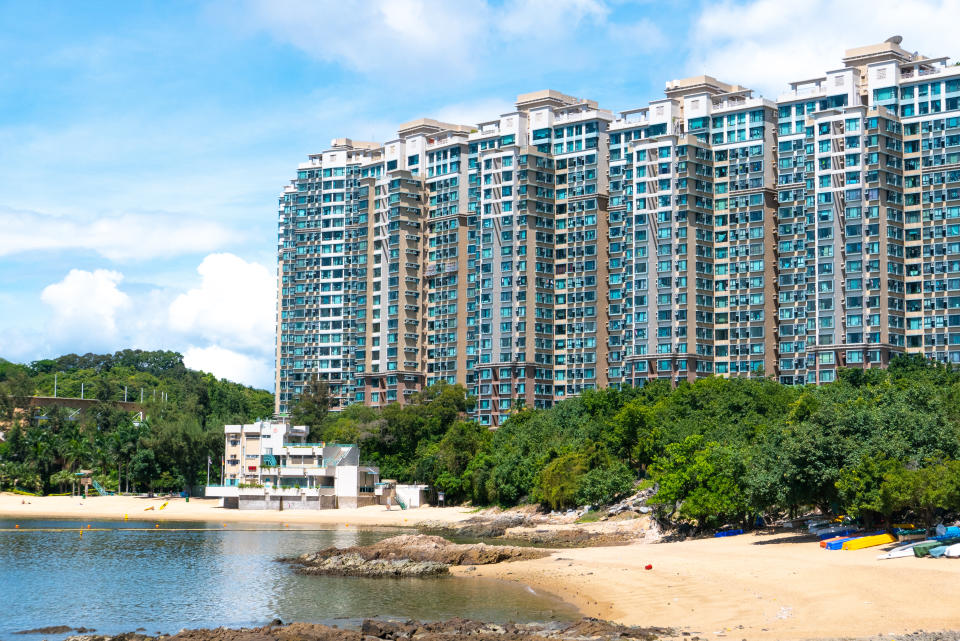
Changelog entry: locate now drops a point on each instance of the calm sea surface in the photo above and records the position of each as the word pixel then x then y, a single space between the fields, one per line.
pixel 120 576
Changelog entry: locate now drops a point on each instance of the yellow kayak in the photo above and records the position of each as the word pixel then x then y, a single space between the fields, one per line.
pixel 869 541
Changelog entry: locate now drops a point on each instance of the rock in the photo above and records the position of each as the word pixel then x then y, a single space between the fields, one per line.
pixel 408 555
pixel 356 565
pixel 51 629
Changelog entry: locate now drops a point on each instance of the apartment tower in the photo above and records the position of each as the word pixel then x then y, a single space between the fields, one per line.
pixel 563 247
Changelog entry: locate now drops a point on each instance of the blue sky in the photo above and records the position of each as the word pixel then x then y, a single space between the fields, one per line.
pixel 143 144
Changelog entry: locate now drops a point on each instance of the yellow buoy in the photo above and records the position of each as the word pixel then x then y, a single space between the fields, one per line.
pixel 124 517
pixel 156 525
pixel 16 527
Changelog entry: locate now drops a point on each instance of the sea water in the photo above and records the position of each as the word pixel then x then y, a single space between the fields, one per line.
pixel 120 576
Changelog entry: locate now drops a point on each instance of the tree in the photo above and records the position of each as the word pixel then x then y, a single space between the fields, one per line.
pixel 312 406
pixel 700 482
pixel 144 468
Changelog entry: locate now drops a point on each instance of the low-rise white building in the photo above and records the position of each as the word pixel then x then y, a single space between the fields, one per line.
pixel 270 465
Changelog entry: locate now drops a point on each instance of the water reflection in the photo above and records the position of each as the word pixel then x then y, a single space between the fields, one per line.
pixel 119 576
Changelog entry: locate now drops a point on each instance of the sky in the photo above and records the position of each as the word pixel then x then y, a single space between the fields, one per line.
pixel 143 145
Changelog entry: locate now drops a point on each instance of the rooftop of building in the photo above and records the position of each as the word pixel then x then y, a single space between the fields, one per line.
pixel 550 98
pixel 701 84
pixel 350 143
pixel 428 126
pixel 889 49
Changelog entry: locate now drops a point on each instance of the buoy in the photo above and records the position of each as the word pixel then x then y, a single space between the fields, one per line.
pixel 648 567
pixel 346 525
pixel 124 517
pixel 156 525
pixel 16 527
pixel 224 525
pixel 88 526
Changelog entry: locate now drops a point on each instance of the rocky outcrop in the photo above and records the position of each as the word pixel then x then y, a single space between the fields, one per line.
pixel 356 565
pixel 407 555
pixel 374 630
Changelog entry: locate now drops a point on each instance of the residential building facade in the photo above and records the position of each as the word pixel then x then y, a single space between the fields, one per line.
pixel 269 465
pixel 562 247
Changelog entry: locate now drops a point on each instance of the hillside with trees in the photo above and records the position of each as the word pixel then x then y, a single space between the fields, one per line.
pixel 166 449
pixel 877 444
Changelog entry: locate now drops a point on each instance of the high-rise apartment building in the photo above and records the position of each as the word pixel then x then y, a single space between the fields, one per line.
pixel 562 247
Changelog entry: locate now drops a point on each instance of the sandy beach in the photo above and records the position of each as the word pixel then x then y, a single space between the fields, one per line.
pixel 199 509
pixel 755 586
pixel 749 587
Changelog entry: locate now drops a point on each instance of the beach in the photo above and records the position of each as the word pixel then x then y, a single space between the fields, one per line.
pixel 749 587
pixel 200 509
pixel 754 586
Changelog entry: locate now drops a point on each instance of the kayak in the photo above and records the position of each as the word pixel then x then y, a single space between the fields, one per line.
pixel 938 551
pixel 824 542
pixel 952 530
pixel 902 551
pixel 952 551
pixel 924 549
pixel 836 531
pixel 869 541
pixel 911 534
pixel 838 544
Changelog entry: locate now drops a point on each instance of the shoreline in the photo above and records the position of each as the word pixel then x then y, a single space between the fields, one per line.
pixel 115 508
pixel 755 586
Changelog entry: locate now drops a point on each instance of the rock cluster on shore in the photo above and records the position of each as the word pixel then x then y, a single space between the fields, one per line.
pixel 408 555
pixel 373 630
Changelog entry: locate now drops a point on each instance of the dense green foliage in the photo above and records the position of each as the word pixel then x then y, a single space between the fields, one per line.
pixel 875 444
pixel 184 414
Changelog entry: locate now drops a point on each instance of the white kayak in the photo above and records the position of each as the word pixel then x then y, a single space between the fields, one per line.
pixel 953 551
pixel 903 550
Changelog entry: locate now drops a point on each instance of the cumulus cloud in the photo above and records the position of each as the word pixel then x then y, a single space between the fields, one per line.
pixel 766 44
pixel 116 237
pixel 85 306
pixel 234 305
pixel 223 325
pixel 231 365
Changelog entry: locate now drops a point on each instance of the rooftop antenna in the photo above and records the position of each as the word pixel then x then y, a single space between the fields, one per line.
pixel 894 39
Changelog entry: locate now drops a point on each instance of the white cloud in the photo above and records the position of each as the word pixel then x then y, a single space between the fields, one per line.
pixel 234 305
pixel 85 306
pixel 231 365
pixel 766 44
pixel 223 325
pixel 397 39
pixel 375 34
pixel 116 237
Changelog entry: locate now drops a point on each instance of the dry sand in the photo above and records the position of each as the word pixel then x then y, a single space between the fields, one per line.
pixel 198 509
pixel 772 585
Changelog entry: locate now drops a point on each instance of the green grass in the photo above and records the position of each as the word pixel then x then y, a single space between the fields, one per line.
pixel 590 517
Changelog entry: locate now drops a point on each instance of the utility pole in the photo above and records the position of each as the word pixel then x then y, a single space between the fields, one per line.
pixel 55 384
pixel 81 390
pixel 124 393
